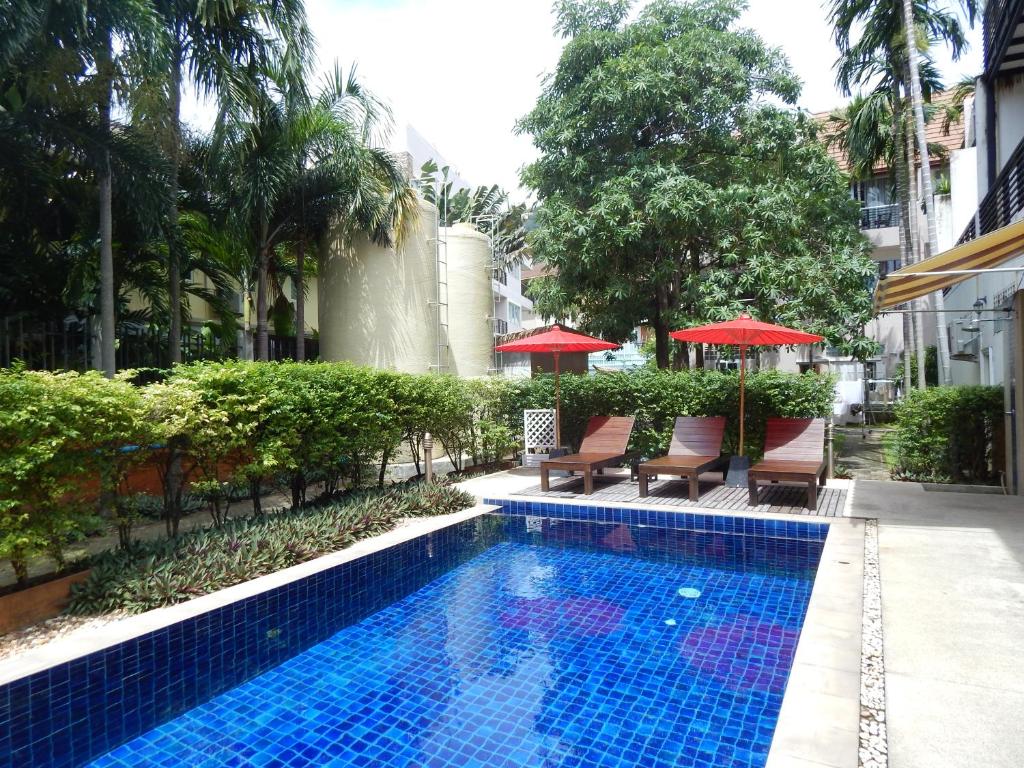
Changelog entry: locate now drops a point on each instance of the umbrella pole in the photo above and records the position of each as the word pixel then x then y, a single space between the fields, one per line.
pixel 558 407
pixel 743 369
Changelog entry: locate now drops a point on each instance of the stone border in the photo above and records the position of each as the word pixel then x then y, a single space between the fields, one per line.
pixel 873 752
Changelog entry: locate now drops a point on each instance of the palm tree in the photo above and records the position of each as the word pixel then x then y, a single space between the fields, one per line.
pixel 215 44
pixel 343 176
pixel 293 166
pixel 486 208
pixel 882 50
pixel 869 135
pixel 113 45
pixel 910 22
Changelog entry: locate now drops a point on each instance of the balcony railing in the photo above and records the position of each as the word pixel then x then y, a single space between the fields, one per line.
pixel 1001 17
pixel 500 275
pixel 1003 202
pixel 879 216
pixel 500 326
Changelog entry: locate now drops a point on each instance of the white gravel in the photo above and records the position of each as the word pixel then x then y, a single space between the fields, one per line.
pixel 873 752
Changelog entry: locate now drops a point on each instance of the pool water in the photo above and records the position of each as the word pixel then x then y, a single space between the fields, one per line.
pixel 565 644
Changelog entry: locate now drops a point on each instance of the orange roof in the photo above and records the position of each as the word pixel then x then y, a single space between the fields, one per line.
pixel 933 130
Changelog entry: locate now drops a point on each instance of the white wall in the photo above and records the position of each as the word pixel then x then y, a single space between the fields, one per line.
pixel 963 177
pixel 994 333
pixel 1009 95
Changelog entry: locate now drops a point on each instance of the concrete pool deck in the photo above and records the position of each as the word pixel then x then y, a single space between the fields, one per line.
pixel 952 567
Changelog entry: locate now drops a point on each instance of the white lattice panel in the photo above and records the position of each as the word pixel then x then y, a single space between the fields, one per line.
pixel 539 428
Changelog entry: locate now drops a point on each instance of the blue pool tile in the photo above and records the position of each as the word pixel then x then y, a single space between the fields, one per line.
pixel 498 642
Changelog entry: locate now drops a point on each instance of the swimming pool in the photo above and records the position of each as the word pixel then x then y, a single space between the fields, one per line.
pixel 550 635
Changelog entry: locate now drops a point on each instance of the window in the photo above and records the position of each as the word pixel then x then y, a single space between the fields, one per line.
pixel 874 192
pixel 515 315
pixel 887 266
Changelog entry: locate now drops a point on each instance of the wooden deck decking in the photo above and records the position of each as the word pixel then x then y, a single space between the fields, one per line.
pixel 786 499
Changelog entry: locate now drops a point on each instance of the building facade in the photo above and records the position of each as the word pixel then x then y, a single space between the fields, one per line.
pixel 985 311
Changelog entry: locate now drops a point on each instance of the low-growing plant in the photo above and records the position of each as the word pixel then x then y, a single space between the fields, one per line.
pixel 152 574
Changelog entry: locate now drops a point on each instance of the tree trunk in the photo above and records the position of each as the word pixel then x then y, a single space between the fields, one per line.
pixel 915 242
pixel 906 244
pixel 105 183
pixel 927 193
pixel 681 357
pixel 300 301
pixel 661 337
pixel 262 342
pixel 173 240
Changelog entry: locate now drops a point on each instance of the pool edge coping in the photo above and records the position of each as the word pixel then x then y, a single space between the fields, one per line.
pixel 711 512
pixel 820 719
pixel 74 645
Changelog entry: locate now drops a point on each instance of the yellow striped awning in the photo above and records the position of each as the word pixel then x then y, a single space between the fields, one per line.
pixel 950 267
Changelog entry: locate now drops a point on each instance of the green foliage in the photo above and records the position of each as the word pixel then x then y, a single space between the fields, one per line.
pixel 158 573
pixel 931 367
pixel 58 432
pixel 656 397
pixel 225 424
pixel 486 208
pixel 673 188
pixel 948 434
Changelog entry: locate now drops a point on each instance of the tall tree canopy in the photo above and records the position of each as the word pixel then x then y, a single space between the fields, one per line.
pixel 673 190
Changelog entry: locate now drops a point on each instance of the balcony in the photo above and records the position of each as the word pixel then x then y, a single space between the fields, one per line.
pixel 1002 29
pixel 879 216
pixel 1003 202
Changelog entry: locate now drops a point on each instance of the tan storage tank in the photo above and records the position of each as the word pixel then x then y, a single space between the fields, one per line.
pixel 378 306
pixel 470 301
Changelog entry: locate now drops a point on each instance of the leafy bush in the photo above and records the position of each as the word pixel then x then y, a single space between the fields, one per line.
pixel 656 397
pixel 60 433
pixel 222 425
pixel 157 573
pixel 947 434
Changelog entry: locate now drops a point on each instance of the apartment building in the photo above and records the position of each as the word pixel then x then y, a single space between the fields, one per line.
pixel 982 272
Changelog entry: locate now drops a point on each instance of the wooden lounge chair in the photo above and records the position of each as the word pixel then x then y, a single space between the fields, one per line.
pixel 794 451
pixel 604 445
pixel 696 447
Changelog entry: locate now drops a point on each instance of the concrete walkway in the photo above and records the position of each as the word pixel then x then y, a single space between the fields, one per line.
pixel 862 452
pixel 952 569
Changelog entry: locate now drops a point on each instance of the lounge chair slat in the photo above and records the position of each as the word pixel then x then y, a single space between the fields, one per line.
pixel 794 451
pixel 604 445
pixel 696 447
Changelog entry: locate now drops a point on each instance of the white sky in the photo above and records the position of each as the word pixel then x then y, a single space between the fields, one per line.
pixel 462 71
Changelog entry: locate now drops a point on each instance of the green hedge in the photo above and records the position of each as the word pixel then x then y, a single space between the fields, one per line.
pixel 157 573
pixel 222 425
pixel 948 434
pixel 656 397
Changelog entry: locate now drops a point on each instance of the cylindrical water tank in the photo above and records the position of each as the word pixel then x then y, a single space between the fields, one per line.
pixel 470 300
pixel 377 306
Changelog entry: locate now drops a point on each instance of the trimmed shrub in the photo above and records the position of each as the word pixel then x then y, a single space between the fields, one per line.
pixel 656 397
pixel 948 435
pixel 60 434
pixel 157 573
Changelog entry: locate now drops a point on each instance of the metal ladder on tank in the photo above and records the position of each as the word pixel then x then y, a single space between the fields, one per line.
pixel 441 268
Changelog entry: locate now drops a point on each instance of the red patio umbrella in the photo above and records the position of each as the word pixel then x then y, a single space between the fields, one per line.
pixel 556 340
pixel 744 332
